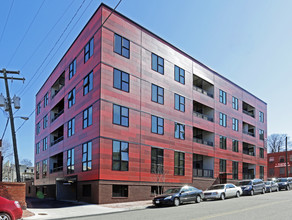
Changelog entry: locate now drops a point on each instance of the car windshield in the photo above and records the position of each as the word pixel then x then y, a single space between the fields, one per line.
pixel 173 190
pixel 282 180
pixel 268 183
pixel 216 187
pixel 243 183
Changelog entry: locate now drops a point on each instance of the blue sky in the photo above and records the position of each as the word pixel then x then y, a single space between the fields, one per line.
pixel 247 41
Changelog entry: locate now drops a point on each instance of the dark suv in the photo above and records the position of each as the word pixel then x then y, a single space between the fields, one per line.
pixel 250 187
pixel 284 183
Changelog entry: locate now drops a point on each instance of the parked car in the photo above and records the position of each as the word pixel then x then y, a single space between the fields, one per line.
pixel 9 210
pixel 222 191
pixel 179 195
pixel 271 186
pixel 284 183
pixel 250 187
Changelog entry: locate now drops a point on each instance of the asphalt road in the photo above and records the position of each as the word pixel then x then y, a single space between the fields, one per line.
pixel 276 205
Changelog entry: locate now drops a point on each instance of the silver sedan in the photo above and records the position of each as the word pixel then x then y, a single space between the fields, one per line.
pixel 222 191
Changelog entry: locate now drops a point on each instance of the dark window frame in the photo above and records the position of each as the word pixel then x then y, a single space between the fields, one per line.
pixel 222 165
pixel 235 170
pixel 71 127
pixel 157 160
pixel 72 68
pixel 155 120
pixel 122 163
pixel 122 84
pixel 45 143
pixel 179 74
pixel 234 103
pixel 45 121
pixel 235 124
pixel 159 91
pixel 261 116
pixel 38 108
pixel 88 49
pixel 71 97
pixel 46 99
pixel 87 156
pixel 222 97
pixel 179 102
pixel 179 131
pixel 38 147
pixel 222 119
pixel 179 163
pixel 223 142
pixel 235 145
pixel 120 191
pixel 88 83
pixel 87 117
pixel 157 63
pixel 121 117
pixel 44 171
pixel 262 153
pixel 123 49
pixel 261 134
pixel 70 161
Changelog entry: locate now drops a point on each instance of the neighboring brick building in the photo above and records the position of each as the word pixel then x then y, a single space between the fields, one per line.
pixel 277 164
pixel 124 113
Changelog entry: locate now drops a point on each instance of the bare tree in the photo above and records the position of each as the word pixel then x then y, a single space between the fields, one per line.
pixel 26 162
pixel 276 142
pixel 7 151
pixel 159 177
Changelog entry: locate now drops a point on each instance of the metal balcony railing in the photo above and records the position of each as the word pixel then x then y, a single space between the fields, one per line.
pixel 248 153
pixel 56 169
pixel 248 113
pixel 203 91
pixel 247 176
pixel 201 141
pixel 57 115
pixel 248 133
pixel 205 117
pixel 203 173
pixel 57 140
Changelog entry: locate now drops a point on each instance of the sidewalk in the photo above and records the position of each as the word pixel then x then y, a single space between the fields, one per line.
pixel 85 210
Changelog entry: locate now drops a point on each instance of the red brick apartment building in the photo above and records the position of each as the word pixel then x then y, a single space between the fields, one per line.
pixel 125 113
pixel 277 164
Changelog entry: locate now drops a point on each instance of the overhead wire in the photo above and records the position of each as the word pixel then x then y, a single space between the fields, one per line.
pixel 7 18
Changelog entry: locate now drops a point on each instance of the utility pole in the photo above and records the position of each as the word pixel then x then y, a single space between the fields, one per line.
pixel 5 72
pixel 286 145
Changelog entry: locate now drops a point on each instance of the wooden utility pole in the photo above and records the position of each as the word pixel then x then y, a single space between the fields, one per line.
pixel 5 77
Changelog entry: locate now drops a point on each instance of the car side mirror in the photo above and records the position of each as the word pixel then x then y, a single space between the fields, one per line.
pixel 183 191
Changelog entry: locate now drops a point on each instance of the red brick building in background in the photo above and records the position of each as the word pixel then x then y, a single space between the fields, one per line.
pixel 125 113
pixel 277 164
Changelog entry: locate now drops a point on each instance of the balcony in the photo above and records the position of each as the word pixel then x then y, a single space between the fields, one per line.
pixel 248 149
pixel 57 110
pixel 248 109
pixel 58 85
pixel 203 111
pixel 248 129
pixel 57 135
pixel 56 163
pixel 203 166
pixel 203 86
pixel 248 171
pixel 203 137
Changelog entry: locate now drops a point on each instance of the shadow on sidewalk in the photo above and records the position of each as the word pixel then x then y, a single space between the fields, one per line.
pixel 36 203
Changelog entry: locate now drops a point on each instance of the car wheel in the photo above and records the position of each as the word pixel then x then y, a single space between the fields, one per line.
pixel 176 201
pixel 263 191
pixel 237 194
pixel 4 216
pixel 252 192
pixel 198 199
pixel 222 196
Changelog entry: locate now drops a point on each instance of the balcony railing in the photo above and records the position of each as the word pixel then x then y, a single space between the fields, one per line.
pixel 248 153
pixel 57 115
pixel 203 91
pixel 248 133
pixel 247 176
pixel 56 92
pixel 248 113
pixel 56 169
pixel 201 141
pixel 206 117
pixel 202 173
pixel 57 140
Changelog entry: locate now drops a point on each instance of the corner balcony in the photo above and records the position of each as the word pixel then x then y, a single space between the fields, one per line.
pixel 57 110
pixel 248 109
pixel 203 137
pixel 248 129
pixel 203 111
pixel 56 163
pixel 248 149
pixel 203 86
pixel 203 166
pixel 58 85
pixel 57 135
pixel 248 170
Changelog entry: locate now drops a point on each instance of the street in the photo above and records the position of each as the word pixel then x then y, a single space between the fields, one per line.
pixel 276 205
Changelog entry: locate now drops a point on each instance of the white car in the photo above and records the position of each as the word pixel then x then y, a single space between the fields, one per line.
pixel 222 191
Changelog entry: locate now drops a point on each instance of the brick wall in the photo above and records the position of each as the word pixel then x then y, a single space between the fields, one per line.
pixel 13 191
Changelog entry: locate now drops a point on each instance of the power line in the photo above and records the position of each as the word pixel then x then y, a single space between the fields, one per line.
pixel 5 129
pixel 25 121
pixel 6 20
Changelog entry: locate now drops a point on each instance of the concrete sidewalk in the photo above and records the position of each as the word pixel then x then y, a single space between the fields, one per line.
pixel 85 210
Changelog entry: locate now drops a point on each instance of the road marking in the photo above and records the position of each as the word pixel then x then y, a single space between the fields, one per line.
pixel 242 210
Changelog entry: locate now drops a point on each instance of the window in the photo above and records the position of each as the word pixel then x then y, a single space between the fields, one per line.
pixel 156 190
pixel 121 80
pixel 38 128
pixel 281 159
pixel 223 142
pixel 179 163
pixel 87 156
pixel 261 116
pixel 37 148
pixel 179 131
pixel 71 127
pixel 235 170
pixel 45 122
pixel 122 46
pixel 157 63
pixel 271 172
pixel 88 83
pixel 234 103
pixel 222 97
pixel 45 143
pixel 86 190
pixel 39 108
pixel 120 155
pixel 271 159
pixel 222 165
pixel 234 124
pixel 46 99
pixel 179 102
pixel 156 160
pixel 179 74
pixel 235 145
pixel 71 98
pixel 87 117
pixel 262 171
pixel 120 191
pixel 70 161
pixel 121 115
pixel 45 168
pixel 88 50
pixel 282 170
pixel 157 125
pixel 222 119
pixel 37 170
pixel 262 155
pixel 157 94
pixel 72 68
pixel 261 134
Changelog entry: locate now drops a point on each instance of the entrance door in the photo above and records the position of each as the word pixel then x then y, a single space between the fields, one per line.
pixel 66 190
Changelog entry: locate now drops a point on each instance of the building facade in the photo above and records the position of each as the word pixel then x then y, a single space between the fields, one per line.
pixel 125 114
pixel 9 172
pixel 277 166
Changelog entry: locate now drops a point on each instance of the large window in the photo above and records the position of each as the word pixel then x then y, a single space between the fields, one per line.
pixel 179 102
pixel 179 131
pixel 222 119
pixel 235 145
pixel 261 116
pixel 45 168
pixel 87 156
pixel 234 103
pixel 179 74
pixel 157 63
pixel 234 124
pixel 235 170
pixel 71 127
pixel 88 83
pixel 72 68
pixel 156 160
pixel 223 142
pixel 157 94
pixel 262 172
pixel 121 80
pixel 46 99
pixel 38 128
pixel 87 117
pixel 262 155
pixel 120 115
pixel 88 50
pixel 37 170
pixel 45 122
pixel 179 163
pixel 39 108
pixel 261 134
pixel 120 155
pixel 71 98
pixel 45 143
pixel 222 96
pixel 122 46
pixel 157 125
pixel 120 191
pixel 222 166
pixel 70 161
pixel 38 148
